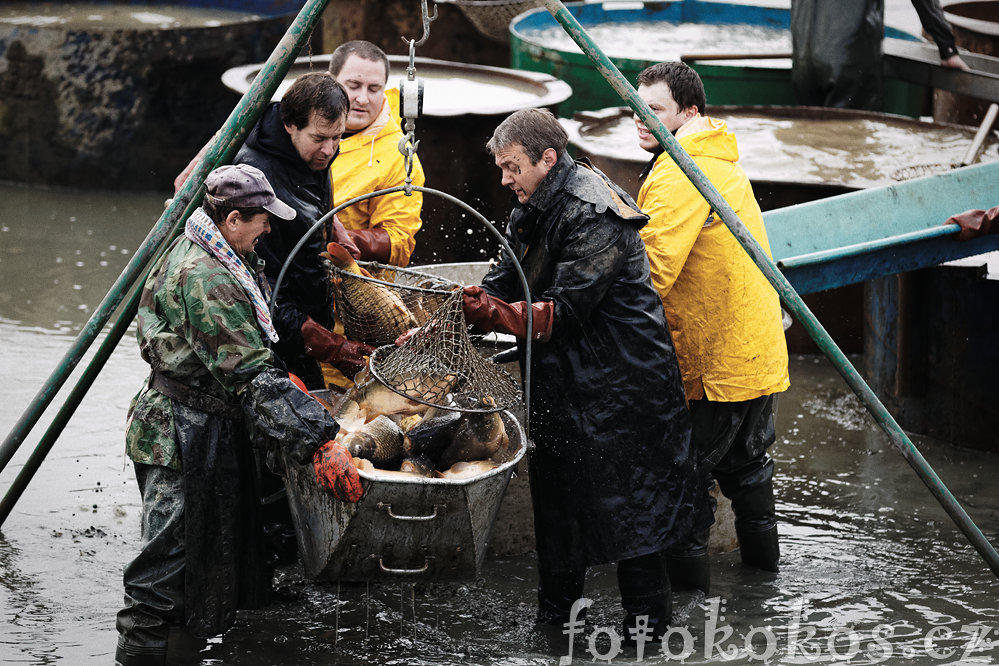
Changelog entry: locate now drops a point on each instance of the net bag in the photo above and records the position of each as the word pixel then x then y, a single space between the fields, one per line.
pixel 379 307
pixel 439 366
pixel 492 17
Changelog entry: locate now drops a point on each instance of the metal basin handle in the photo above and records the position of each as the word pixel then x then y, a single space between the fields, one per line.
pixel 403 572
pixel 387 508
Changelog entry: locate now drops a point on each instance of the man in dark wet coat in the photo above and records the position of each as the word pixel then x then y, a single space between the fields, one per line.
pixel 294 143
pixel 612 475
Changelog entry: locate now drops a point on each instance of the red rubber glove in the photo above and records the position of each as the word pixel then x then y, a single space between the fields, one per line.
pixel 975 223
pixel 342 237
pixel 336 472
pixel 296 380
pixel 324 345
pixel 492 314
pixel 374 244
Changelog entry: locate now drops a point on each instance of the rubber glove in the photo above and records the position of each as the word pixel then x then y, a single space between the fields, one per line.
pixel 324 345
pixel 342 237
pixel 336 472
pixel 492 314
pixel 374 244
pixel 297 381
pixel 975 223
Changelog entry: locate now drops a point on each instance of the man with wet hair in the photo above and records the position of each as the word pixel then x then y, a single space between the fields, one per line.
pixel 215 390
pixel 725 317
pixel 612 475
pixel 383 228
pixel 293 143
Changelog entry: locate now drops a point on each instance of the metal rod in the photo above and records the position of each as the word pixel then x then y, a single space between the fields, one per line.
pixel 787 293
pixel 222 147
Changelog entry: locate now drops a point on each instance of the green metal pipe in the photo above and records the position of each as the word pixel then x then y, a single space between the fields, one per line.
pixel 787 293
pixel 222 147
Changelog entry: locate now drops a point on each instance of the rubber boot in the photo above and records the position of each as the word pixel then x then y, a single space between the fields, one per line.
pixel 646 598
pixel 688 564
pixel 760 549
pixel 128 654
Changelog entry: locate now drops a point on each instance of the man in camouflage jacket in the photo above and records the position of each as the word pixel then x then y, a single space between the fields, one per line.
pixel 214 391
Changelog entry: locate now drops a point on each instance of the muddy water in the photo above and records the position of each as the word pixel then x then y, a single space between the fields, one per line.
pixel 104 16
pixel 865 547
pixel 660 40
pixel 855 152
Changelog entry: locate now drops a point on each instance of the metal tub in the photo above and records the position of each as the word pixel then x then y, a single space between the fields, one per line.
pixel 401 529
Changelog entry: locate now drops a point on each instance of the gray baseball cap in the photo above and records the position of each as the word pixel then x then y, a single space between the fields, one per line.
pixel 242 185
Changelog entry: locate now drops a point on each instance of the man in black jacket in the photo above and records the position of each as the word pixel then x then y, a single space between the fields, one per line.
pixel 294 143
pixel 613 475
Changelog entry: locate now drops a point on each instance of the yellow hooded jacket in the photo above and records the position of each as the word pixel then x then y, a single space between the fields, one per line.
pixel 369 161
pixel 724 315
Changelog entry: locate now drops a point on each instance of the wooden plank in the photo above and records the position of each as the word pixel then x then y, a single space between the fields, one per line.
pixel 919 63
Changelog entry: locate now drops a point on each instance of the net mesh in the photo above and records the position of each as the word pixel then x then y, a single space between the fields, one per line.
pixel 438 365
pixel 492 17
pixel 377 308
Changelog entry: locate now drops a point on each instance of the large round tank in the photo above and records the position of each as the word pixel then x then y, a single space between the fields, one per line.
pixel 120 95
pixel 793 155
pixel 636 35
pixel 976 28
pixel 462 106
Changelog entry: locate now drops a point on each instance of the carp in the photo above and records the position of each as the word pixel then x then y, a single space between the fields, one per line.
pixel 366 466
pixel 375 398
pixel 432 434
pixel 380 308
pixel 417 465
pixel 467 469
pixel 478 436
pixel 379 440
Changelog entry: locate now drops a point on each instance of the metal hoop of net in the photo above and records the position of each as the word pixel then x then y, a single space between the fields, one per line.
pixel 440 366
pixel 492 17
pixel 380 308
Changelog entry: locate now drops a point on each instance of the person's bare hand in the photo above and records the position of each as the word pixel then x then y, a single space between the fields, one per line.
pixel 955 62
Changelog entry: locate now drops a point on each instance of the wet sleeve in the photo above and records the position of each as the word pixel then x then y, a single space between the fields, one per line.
pixel 677 213
pixel 932 18
pixel 280 415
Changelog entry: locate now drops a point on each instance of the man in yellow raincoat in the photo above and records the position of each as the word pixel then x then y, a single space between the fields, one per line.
pixel 724 316
pixel 383 227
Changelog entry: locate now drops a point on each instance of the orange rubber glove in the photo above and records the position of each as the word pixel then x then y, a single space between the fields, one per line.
pixel 322 344
pixel 336 472
pixel 492 314
pixel 296 380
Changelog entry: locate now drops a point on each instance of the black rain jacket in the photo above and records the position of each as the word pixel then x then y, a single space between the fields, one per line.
pixel 304 289
pixel 613 475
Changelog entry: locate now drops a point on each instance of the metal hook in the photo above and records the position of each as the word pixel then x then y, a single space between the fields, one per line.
pixel 427 20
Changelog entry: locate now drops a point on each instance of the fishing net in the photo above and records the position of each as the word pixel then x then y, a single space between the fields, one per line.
pixel 492 17
pixel 919 170
pixel 379 307
pixel 438 365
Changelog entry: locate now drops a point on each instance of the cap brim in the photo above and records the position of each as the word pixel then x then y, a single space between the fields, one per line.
pixel 280 209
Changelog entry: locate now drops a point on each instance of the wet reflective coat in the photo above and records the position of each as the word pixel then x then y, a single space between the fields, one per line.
pixel 612 476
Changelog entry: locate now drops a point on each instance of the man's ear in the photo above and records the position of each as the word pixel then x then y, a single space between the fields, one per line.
pixel 232 219
pixel 549 157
